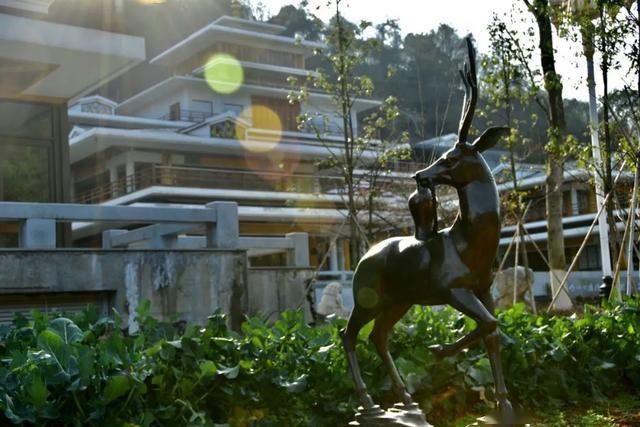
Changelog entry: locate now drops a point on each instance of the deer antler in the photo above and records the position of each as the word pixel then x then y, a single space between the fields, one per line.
pixel 470 81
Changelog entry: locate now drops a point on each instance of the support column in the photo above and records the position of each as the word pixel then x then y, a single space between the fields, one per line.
pixel 130 172
pixel 113 180
pixel 225 231
pixel 299 255
pixel 333 256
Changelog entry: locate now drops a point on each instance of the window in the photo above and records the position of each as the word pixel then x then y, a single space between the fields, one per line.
pixel 25 119
pixel 590 258
pixel 25 172
pixel 202 106
pixel 286 111
pixel 236 109
pixel 27 150
pixel 174 111
pixel 584 202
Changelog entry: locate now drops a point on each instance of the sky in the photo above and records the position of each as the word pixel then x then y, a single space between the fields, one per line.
pixel 466 16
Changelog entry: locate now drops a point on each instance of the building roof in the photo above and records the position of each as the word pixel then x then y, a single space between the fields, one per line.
pixel 94 98
pixel 44 59
pixel 98 139
pixel 258 67
pixel 176 83
pixel 37 6
pixel 249 24
pixel 233 30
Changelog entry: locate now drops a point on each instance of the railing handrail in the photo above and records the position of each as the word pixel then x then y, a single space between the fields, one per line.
pixel 69 212
pixel 211 178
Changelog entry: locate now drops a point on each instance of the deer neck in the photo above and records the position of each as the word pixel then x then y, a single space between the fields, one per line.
pixel 476 231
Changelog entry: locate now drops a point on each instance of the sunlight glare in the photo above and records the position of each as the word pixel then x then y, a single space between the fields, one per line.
pixel 224 74
pixel 263 118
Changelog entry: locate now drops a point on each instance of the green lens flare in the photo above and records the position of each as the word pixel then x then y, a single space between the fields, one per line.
pixel 224 74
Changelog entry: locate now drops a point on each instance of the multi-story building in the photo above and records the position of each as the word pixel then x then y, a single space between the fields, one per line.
pixel 43 65
pixel 579 212
pixel 221 127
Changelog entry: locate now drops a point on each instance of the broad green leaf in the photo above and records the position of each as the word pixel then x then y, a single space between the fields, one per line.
pixel 66 329
pixel 38 391
pixel 230 373
pixel 208 368
pixel 117 386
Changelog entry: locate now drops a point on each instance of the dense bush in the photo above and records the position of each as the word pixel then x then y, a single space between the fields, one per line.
pixel 85 371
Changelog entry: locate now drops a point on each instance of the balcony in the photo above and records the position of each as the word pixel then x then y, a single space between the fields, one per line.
pixel 186 116
pixel 193 177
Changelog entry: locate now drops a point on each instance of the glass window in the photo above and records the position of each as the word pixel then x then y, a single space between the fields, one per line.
pixel 23 119
pixel 236 109
pixel 25 172
pixel 202 106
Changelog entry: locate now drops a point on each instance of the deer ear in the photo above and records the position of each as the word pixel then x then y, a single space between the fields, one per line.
pixel 490 137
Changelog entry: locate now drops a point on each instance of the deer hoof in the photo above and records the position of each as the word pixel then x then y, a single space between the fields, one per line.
pixel 405 397
pixel 507 414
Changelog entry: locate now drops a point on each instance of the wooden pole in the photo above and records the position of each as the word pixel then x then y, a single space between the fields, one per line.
pixel 580 249
pixel 515 266
pixel 632 214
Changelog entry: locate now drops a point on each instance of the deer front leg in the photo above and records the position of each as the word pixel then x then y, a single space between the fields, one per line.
pixel 349 335
pixel 380 339
pixel 466 302
pixel 492 343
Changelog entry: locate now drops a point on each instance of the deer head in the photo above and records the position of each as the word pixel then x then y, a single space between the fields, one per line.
pixel 463 163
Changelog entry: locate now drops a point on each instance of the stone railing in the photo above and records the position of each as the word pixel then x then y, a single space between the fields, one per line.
pixel 183 277
pixel 38 221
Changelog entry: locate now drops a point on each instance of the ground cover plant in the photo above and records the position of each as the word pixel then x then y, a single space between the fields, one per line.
pixel 84 370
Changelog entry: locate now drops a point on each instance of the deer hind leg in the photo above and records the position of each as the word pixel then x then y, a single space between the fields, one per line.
pixel 492 343
pixel 467 303
pixel 380 339
pixel 359 317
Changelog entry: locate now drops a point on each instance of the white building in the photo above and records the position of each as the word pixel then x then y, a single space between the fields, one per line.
pixel 220 128
pixel 42 66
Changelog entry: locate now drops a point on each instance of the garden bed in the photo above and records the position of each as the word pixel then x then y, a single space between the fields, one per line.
pixel 86 371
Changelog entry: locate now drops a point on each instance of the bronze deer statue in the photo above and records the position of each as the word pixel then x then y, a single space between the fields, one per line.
pixel 451 266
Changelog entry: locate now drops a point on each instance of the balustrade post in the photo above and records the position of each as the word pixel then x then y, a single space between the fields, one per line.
pixel 107 235
pixel 225 232
pixel 299 255
pixel 38 233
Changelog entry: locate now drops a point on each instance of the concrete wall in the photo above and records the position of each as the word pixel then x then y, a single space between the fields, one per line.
pixel 187 285
pixel 277 289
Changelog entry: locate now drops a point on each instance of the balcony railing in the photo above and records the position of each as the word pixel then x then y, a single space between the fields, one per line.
pixel 193 177
pixel 187 116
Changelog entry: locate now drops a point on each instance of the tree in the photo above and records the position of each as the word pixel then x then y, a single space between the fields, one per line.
pixel 555 160
pixel 505 84
pixel 298 22
pixel 358 151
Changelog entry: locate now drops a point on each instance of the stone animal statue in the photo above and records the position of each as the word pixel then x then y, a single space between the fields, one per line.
pixel 451 266
pixel 331 301
pixel 504 286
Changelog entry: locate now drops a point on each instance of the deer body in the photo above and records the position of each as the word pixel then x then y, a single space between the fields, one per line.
pixel 418 267
pixel 451 266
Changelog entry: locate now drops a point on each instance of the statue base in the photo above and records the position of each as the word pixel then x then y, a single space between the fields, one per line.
pixel 517 418
pixel 400 415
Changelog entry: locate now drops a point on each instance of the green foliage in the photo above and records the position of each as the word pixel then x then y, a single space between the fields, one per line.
pixel 86 371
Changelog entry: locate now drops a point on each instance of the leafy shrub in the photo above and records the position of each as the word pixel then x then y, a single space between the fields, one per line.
pixel 86 371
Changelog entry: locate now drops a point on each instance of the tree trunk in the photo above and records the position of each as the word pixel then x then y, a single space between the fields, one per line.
pixel 608 149
pixel 555 162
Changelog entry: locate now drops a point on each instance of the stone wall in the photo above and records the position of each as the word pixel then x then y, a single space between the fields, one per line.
pixel 273 290
pixel 185 285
